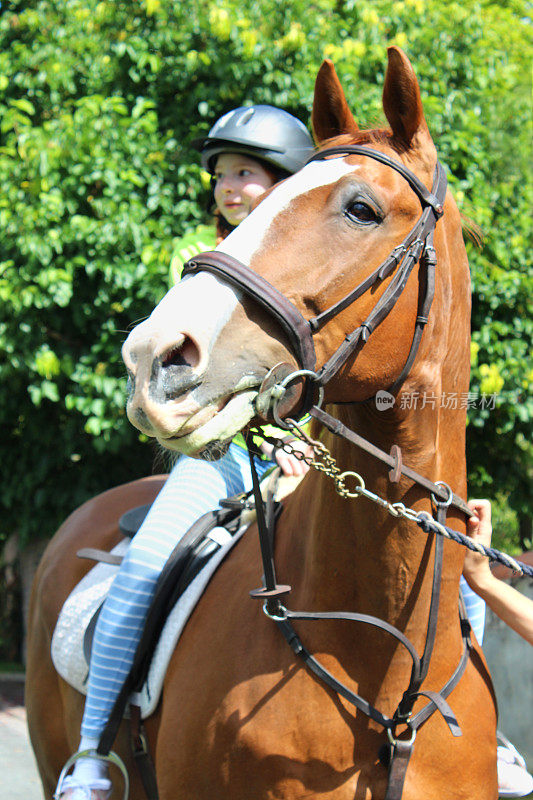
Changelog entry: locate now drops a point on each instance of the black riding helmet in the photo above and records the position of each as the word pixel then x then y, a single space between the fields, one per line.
pixel 264 132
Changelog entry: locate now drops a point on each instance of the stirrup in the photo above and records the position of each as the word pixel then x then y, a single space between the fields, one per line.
pixel 111 758
pixel 514 780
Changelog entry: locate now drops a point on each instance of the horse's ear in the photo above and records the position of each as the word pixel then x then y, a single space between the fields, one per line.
pixel 402 103
pixel 331 115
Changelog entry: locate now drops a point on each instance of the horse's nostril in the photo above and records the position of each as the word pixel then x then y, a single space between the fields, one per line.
pixel 184 355
pixel 175 358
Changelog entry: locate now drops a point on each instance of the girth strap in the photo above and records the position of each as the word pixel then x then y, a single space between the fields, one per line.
pixel 141 754
pixel 401 753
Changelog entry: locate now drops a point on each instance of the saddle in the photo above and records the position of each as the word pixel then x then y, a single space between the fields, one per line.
pixel 187 559
pixel 181 584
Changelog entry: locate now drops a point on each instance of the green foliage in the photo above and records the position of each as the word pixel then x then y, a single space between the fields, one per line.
pixel 100 103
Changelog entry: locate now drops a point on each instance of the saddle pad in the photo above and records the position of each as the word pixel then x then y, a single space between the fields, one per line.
pixel 85 599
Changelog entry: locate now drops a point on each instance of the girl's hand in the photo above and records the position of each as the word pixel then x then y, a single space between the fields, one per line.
pixel 476 568
pixel 289 464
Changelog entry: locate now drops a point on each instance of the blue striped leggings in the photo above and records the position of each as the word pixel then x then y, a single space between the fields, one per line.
pixel 475 609
pixel 193 488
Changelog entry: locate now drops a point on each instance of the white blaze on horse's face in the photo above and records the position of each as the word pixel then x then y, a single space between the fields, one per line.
pixel 169 355
pixel 245 241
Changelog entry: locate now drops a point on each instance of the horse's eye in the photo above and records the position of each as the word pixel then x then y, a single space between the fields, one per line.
pixel 362 213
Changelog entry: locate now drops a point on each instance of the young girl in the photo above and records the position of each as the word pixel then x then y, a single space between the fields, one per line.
pixel 247 151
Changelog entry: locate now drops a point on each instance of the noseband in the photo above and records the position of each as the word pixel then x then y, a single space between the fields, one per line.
pixel 417 246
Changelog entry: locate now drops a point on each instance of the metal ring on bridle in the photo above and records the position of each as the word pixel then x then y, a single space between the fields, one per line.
pixel 358 489
pixel 437 500
pixel 283 384
pixel 276 617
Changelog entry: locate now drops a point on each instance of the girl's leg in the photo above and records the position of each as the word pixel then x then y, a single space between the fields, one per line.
pixel 475 609
pixel 193 488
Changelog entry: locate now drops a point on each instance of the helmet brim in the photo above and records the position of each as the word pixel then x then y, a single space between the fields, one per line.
pixel 213 142
pixel 275 157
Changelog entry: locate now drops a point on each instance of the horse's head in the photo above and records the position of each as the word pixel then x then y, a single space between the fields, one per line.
pixel 197 363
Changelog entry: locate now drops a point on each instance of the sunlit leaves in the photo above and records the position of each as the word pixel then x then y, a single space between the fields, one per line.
pixel 100 103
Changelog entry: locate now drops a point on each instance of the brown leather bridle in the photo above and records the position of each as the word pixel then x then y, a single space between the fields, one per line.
pixel 417 246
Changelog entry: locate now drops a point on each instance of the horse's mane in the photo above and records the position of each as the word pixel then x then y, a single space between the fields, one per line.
pixel 472 231
pixel 370 136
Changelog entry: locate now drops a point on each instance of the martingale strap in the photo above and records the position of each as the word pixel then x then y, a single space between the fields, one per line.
pixel 400 749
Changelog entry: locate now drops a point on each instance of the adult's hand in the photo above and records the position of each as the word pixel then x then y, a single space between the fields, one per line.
pixel 514 608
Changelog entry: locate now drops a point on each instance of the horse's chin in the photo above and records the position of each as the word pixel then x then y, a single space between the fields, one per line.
pixel 211 440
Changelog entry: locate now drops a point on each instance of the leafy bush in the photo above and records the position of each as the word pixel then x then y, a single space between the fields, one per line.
pixel 100 103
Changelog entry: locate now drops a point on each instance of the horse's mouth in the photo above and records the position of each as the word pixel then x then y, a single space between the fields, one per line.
pixel 229 416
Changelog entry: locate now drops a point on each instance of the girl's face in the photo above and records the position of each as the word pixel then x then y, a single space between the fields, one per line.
pixel 239 181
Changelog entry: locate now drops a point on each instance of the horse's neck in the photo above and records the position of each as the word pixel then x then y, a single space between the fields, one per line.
pixel 354 555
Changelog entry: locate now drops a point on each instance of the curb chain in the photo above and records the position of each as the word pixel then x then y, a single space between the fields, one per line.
pixel 323 461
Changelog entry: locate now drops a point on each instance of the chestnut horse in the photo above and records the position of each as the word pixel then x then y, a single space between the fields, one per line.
pixel 240 716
